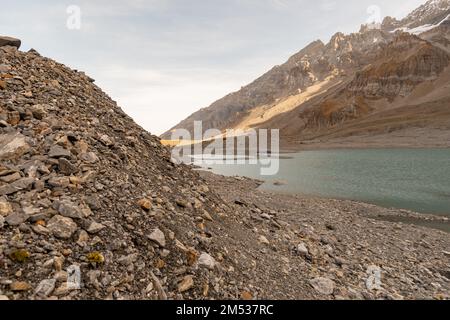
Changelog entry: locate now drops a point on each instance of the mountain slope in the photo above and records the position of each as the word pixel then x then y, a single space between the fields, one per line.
pixel 426 17
pixel 326 85
pixel 394 92
pixel 311 66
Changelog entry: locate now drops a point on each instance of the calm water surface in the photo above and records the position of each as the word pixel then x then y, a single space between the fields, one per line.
pixel 414 179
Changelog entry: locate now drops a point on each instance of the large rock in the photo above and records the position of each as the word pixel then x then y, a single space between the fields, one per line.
pixel 10 41
pixel 89 157
pixel 11 177
pixel 158 237
pixel 18 286
pixel 45 288
pixel 68 209
pixel 59 182
pixel 12 146
pixel 324 286
pixel 16 218
pixel 95 227
pixel 57 151
pixel 186 284
pixel 62 227
pixel 302 249
pixel 66 167
pixel 263 240
pixel 5 207
pixel 16 186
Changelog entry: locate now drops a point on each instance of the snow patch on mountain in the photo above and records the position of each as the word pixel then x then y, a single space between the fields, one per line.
pixel 423 28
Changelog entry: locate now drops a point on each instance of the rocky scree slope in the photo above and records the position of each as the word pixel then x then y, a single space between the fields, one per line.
pixel 82 185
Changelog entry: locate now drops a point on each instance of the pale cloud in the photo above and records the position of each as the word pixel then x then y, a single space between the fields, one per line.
pixel 115 8
pixel 280 3
pixel 326 5
pixel 149 92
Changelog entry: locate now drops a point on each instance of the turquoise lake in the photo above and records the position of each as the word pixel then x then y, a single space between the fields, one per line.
pixel 414 179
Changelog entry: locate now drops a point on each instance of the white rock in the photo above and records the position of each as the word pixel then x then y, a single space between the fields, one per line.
pixel 128 260
pixel 83 238
pixel 5 207
pixel 205 260
pixel 263 240
pixel 266 216
pixel 106 140
pixel 62 227
pixel 13 146
pixel 302 249
pixel 45 287
pixel 95 227
pixel 324 286
pixel 67 209
pixel 158 237
pixel 186 284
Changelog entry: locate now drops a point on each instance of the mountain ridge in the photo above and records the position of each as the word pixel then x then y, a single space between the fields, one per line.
pixel 345 58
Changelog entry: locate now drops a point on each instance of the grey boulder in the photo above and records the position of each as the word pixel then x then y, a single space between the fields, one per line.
pixel 9 41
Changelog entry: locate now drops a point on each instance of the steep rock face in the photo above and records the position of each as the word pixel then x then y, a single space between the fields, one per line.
pixel 400 66
pixel 335 111
pixel 398 70
pixel 439 36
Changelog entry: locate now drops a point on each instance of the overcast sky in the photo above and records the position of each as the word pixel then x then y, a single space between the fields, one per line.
pixel 164 59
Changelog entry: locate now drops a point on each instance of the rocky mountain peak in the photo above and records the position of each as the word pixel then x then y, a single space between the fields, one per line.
pixel 381 61
pixel 313 49
pixel 424 18
pixel 430 8
pixel 389 24
pixel 369 26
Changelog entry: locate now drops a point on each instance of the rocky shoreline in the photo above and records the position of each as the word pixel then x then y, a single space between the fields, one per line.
pixel 340 241
pixel 410 138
